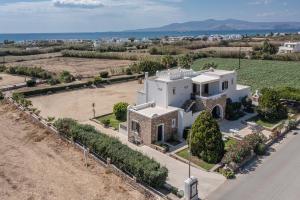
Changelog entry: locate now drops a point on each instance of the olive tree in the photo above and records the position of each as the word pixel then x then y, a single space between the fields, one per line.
pixel 120 110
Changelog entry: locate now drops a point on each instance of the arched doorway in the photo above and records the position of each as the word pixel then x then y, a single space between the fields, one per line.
pixel 217 112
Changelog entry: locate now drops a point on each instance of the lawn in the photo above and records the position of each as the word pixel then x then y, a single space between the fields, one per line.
pixel 113 122
pixel 197 161
pixel 263 123
pixel 259 73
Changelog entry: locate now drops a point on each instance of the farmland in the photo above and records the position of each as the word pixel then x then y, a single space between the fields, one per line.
pixel 82 66
pixel 258 73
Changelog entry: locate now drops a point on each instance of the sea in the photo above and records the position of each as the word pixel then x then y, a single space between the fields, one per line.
pixel 138 35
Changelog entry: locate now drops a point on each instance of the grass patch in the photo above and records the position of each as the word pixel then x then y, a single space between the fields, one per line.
pixel 264 123
pixel 113 122
pixel 259 73
pixel 194 159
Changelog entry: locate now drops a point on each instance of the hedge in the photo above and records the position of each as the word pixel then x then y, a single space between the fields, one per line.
pixel 133 162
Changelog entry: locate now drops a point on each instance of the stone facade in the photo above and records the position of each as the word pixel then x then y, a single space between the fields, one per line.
pixel 148 127
pixel 209 104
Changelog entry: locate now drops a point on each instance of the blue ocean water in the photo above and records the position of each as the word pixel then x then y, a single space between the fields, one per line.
pixel 107 35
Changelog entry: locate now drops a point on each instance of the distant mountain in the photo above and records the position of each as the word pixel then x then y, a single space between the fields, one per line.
pixel 224 25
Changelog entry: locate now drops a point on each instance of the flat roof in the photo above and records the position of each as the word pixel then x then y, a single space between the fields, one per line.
pixel 219 72
pixel 205 79
pixel 156 111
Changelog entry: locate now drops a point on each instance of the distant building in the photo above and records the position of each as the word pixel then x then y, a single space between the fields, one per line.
pixel 290 47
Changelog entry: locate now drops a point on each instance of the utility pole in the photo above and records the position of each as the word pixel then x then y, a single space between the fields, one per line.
pixel 190 152
pixel 94 111
pixel 240 56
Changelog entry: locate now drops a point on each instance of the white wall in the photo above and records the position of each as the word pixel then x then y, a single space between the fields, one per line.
pixel 183 89
pixel 231 91
pixel 157 92
pixel 186 120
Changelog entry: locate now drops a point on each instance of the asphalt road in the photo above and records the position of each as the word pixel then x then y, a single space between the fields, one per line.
pixel 272 177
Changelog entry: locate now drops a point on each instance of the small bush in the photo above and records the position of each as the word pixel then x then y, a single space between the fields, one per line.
pixel 120 111
pixel 97 80
pixel 104 74
pixel 1 96
pixel 227 173
pixel 105 122
pixel 31 83
pixel 260 149
pixel 66 77
pixel 186 132
pixel 128 71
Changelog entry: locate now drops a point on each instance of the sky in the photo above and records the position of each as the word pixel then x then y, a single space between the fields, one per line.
pixel 47 16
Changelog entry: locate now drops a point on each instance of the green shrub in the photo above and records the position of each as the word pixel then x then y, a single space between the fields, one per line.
pixel 237 153
pixel 186 132
pixel 233 110
pixel 229 174
pixel 147 66
pixel 97 80
pixel 53 81
pixel 260 149
pixel 104 74
pixel 142 167
pixel 66 77
pixel 270 107
pixel 1 95
pixel 36 72
pixel 31 83
pixel 247 104
pixel 128 71
pixel 207 142
pixel 105 122
pixel 120 110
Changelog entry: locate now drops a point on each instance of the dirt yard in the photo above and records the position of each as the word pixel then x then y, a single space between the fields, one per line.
pixel 77 104
pixel 82 66
pixel 35 164
pixel 6 79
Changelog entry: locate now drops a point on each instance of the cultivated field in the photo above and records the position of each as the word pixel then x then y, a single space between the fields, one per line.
pixel 259 73
pixel 227 49
pixel 77 104
pixel 35 164
pixel 6 79
pixel 82 66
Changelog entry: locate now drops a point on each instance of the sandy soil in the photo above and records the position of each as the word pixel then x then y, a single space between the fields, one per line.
pixel 77 104
pixel 10 79
pixel 82 66
pixel 35 164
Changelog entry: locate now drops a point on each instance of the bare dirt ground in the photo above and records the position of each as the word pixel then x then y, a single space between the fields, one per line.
pixel 10 79
pixel 82 66
pixel 35 164
pixel 77 104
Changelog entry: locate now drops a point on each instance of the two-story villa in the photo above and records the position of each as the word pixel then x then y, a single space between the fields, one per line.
pixel 173 99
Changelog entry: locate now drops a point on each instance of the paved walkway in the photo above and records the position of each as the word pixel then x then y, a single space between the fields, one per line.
pixel 178 171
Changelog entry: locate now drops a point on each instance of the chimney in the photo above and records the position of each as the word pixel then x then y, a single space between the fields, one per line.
pixel 146 86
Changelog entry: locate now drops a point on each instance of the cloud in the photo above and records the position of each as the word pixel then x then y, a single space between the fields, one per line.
pixel 260 2
pixel 78 3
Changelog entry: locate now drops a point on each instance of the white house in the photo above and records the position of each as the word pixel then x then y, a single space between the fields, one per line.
pixel 290 47
pixel 173 99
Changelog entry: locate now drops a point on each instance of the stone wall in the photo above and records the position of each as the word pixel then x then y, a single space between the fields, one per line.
pixel 148 126
pixel 209 104
pixel 167 121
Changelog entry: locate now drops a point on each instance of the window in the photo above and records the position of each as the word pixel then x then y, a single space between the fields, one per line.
pixel 173 123
pixel 225 85
pixel 174 91
pixel 135 126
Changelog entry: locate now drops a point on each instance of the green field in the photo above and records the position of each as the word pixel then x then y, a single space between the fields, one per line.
pixel 259 73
